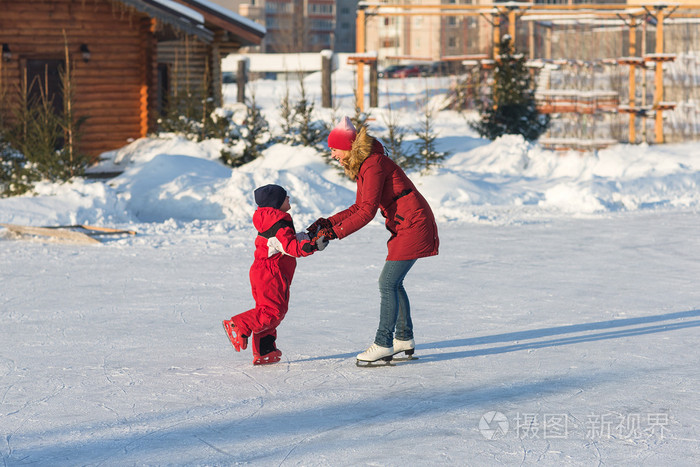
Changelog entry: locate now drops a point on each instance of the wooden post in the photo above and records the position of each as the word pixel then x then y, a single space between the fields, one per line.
pixel 373 84
pixel 241 78
pixel 215 59
pixel 360 49
pixel 645 138
pixel 659 76
pixel 326 71
pixel 511 25
pixel 496 34
pixel 632 79
pixel 148 76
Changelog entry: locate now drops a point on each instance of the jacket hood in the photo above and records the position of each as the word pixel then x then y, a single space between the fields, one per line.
pixel 361 149
pixel 265 217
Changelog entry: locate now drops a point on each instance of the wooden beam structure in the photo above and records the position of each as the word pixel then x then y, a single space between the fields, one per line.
pixel 513 10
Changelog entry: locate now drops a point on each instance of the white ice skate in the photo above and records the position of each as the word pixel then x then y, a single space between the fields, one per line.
pixel 407 347
pixel 374 354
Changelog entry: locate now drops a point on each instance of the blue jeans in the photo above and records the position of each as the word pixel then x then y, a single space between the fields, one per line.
pixel 395 311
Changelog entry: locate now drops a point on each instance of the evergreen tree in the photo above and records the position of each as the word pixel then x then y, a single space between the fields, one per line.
pixel 298 125
pixel 511 108
pixel 311 133
pixel 395 139
pixel 427 155
pixel 43 143
pixel 15 174
pixel 360 118
pixel 255 133
pixel 287 114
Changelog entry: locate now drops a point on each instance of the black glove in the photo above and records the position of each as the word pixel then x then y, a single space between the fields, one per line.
pixel 321 243
pixel 320 223
pixel 327 233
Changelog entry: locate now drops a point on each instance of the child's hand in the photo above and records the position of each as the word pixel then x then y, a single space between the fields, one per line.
pixel 321 243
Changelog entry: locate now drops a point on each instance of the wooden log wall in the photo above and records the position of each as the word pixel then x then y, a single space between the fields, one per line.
pixel 114 89
pixel 194 66
pixel 188 65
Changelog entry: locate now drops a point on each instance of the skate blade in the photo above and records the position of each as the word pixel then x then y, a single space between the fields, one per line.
pixel 407 358
pixel 272 357
pixel 408 355
pixel 384 361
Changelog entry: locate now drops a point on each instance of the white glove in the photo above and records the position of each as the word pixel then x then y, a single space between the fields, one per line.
pixel 321 243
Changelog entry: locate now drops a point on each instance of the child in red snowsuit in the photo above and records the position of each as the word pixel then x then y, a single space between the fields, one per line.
pixel 277 246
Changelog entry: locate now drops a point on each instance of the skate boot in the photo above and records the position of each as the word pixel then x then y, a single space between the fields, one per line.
pixel 239 341
pixel 268 353
pixel 374 354
pixel 407 347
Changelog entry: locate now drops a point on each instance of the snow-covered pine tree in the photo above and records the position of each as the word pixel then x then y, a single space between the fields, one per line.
pixel 256 133
pixel 511 107
pixel 426 156
pixel 287 115
pixel 360 118
pixel 395 138
pixel 310 132
pixel 43 143
pixel 15 174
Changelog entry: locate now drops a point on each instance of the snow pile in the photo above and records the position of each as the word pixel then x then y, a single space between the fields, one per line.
pixel 173 178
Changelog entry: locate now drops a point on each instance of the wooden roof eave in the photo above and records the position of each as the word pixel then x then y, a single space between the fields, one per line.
pixel 172 17
pixel 245 33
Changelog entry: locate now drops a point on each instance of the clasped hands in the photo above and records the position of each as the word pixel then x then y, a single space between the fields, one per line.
pixel 321 232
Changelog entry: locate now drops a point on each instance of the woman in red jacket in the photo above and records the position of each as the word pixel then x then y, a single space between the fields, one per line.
pixel 383 185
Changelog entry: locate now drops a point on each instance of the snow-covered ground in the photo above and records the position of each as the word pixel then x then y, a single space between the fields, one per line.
pixel 558 325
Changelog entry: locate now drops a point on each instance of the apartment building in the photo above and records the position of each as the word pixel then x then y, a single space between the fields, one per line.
pixel 301 25
pixel 426 36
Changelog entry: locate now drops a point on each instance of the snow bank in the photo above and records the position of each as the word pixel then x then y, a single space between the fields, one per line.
pixel 172 178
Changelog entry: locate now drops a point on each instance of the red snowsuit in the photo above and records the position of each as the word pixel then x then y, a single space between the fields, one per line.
pixel 277 246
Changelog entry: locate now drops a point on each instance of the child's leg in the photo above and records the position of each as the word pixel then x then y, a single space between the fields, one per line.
pixel 271 300
pixel 264 342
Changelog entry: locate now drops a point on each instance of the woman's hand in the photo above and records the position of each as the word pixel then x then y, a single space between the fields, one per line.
pixel 328 233
pixel 320 223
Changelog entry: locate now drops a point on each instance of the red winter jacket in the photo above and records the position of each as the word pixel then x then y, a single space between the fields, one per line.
pixel 276 235
pixel 383 185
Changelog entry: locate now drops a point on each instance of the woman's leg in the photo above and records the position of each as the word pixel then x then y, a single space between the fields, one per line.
pixel 395 310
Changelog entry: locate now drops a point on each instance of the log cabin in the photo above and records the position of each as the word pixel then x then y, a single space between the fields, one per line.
pixel 126 58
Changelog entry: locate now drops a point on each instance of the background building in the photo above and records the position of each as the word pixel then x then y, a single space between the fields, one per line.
pixel 295 26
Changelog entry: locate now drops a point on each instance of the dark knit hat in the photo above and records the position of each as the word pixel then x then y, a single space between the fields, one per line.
pixel 270 196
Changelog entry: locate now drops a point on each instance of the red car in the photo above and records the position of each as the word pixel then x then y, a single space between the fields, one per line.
pixel 407 72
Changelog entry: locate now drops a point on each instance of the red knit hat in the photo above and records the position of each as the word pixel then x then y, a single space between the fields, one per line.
pixel 342 135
